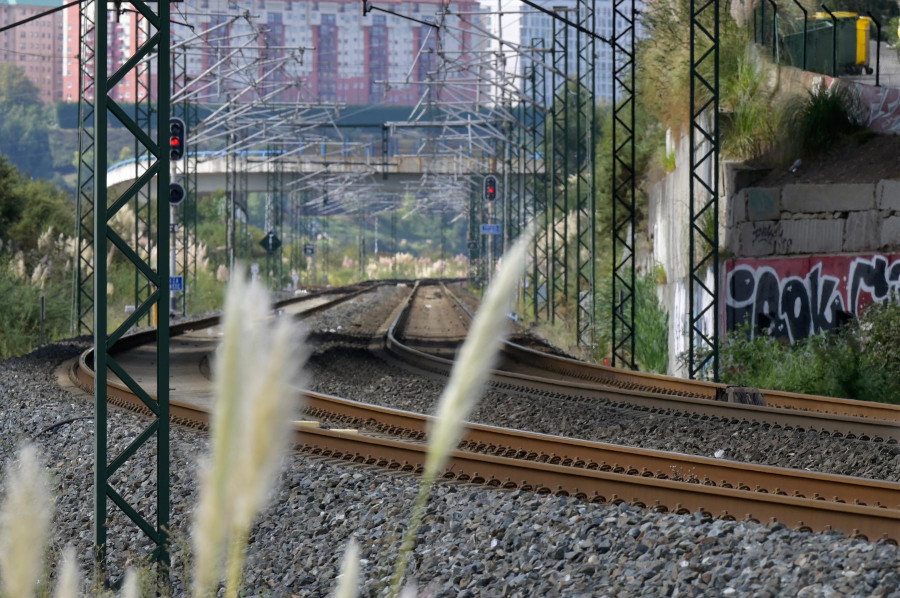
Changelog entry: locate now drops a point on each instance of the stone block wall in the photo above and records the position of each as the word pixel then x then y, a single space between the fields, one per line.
pixel 813 219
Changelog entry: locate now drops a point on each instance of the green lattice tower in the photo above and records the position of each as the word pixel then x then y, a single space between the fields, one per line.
pixel 243 205
pixel 153 522
pixel 179 167
pixel 143 217
pixel 539 182
pixel 559 141
pixel 703 191
pixel 231 191
pixel 83 273
pixel 623 185
pixel 585 217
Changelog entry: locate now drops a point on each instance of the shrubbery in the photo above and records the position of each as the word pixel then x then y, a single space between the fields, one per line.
pixel 862 361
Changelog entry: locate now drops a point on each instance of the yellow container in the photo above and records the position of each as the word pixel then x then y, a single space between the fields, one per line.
pixel 838 14
pixel 863 26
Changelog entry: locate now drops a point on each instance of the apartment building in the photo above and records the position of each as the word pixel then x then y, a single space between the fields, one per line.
pixel 536 30
pixel 125 33
pixel 36 47
pixel 348 58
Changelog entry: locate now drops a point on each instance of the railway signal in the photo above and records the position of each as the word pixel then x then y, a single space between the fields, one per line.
pixel 176 194
pixel 490 188
pixel 270 242
pixel 177 133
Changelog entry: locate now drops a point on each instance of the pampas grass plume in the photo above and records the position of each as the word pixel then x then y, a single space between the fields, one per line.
pixel 24 524
pixel 467 378
pixel 67 581
pixel 348 580
pixel 130 588
pixel 255 366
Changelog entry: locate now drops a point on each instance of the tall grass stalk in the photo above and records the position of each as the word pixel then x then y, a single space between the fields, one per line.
pixel 67 581
pixel 24 524
pixel 256 364
pixel 467 379
pixel 348 580
pixel 131 587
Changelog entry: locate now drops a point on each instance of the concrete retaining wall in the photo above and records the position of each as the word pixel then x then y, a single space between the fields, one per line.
pixel 813 219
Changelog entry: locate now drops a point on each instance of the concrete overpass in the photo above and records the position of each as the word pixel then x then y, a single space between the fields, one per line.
pixel 211 168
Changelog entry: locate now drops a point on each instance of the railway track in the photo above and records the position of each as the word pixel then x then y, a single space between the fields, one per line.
pixel 630 380
pixel 546 464
pixel 557 377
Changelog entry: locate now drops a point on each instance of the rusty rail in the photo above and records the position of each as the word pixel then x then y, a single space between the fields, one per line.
pixel 854 419
pixel 525 468
pixel 593 471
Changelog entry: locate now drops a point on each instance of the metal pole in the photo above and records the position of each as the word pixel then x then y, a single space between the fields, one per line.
pixel 43 312
pixel 559 292
pixel 877 49
pixel 542 182
pixel 774 31
pixel 805 29
pixel 762 20
pixel 173 258
pixel 834 39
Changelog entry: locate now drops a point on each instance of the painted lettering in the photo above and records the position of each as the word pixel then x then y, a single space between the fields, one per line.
pixel 795 298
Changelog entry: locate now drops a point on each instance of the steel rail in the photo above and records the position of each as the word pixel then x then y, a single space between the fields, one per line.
pixel 572 452
pixel 585 482
pixel 845 416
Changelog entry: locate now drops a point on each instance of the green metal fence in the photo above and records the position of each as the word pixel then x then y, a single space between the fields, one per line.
pixel 828 42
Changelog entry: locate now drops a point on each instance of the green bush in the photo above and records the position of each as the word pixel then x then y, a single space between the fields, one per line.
pixel 823 116
pixel 20 312
pixel 651 322
pixel 750 129
pixel 862 361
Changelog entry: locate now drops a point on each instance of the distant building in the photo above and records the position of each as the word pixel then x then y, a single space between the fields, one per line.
pixel 351 59
pixel 539 26
pixel 123 39
pixel 36 47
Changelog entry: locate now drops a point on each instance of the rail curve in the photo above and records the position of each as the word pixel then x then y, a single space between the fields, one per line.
pixel 593 471
pixel 855 419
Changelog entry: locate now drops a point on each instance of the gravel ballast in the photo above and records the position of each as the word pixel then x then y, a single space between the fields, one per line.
pixel 360 316
pixel 362 376
pixel 475 542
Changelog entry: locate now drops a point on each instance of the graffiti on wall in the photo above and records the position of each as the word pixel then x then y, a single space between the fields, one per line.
pixel 881 108
pixel 798 297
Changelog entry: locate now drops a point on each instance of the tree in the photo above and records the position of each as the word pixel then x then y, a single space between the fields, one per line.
pixel 16 89
pixel 28 208
pixel 23 129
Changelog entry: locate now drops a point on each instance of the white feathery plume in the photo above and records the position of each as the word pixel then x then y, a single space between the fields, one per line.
pixel 348 580
pixel 24 524
pixel 67 579
pixel 130 588
pixel 410 591
pixel 470 372
pixel 476 358
pixel 268 405
pixel 250 422
pixel 211 516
